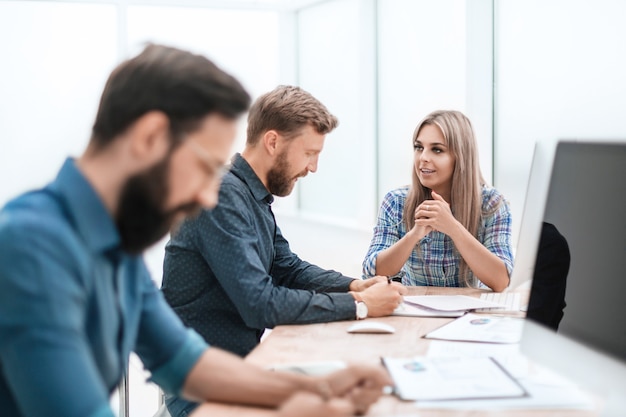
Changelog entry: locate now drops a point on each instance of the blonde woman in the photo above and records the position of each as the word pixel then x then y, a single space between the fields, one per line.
pixel 449 228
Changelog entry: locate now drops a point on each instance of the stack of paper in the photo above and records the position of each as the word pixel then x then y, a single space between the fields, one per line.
pixel 441 305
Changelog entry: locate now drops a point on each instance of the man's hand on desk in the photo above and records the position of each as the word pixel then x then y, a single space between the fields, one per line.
pixel 220 376
pixel 361 385
pixel 380 296
pixel 346 392
pixel 359 285
pixel 306 404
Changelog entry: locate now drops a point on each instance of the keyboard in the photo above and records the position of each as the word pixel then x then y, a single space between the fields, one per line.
pixel 511 300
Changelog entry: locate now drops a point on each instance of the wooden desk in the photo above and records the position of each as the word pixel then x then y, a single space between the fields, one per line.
pixel 329 341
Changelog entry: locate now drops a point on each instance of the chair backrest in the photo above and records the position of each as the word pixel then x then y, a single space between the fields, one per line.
pixel 549 278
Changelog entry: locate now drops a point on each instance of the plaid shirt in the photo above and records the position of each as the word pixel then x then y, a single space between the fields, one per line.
pixel 438 261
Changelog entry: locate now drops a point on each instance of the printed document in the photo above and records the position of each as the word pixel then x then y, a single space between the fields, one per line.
pixel 480 328
pixel 431 379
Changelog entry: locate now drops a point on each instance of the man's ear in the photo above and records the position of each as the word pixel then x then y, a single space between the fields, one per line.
pixel 270 142
pixel 149 137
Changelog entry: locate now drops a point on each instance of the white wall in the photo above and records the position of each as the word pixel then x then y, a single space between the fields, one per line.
pixel 422 67
pixel 55 60
pixel 560 68
pixel 335 63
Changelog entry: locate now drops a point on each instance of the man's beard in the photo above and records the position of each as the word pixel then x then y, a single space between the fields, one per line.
pixel 142 219
pixel 279 182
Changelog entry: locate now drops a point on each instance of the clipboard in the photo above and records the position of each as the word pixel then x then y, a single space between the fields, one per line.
pixel 451 378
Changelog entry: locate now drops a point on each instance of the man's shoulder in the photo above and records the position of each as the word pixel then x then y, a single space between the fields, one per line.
pixel 32 211
pixel 234 197
pixel 231 183
pixel 35 218
pixel 234 191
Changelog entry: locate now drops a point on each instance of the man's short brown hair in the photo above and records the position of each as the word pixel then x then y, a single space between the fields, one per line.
pixel 185 86
pixel 288 110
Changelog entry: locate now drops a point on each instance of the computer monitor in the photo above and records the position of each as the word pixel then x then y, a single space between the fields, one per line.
pixel 586 201
pixel 532 215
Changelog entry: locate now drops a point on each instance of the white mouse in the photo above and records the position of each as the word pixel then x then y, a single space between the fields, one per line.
pixel 368 326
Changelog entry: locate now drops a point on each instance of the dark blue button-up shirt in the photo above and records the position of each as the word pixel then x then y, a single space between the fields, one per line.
pixel 73 306
pixel 229 273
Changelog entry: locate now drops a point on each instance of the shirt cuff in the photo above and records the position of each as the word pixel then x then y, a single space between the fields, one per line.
pixel 369 266
pixel 171 375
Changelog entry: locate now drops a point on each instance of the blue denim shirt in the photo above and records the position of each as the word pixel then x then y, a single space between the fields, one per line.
pixel 73 306
pixel 229 273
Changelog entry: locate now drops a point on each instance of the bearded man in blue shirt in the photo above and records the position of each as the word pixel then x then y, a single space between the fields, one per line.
pixel 76 296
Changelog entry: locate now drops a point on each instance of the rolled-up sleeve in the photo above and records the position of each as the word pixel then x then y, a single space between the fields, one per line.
pixel 171 375
pixel 388 229
pixel 166 347
pixel 497 230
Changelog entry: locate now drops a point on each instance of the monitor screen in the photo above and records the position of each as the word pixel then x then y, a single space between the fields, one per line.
pixel 587 205
pixel 532 215
pixel 586 208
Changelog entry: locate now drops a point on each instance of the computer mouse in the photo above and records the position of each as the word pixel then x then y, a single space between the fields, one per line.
pixel 369 326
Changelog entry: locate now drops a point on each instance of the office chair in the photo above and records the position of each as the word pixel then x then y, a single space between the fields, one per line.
pixel 123 396
pixel 549 278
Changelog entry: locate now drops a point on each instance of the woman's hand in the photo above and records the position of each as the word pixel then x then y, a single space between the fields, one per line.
pixel 436 215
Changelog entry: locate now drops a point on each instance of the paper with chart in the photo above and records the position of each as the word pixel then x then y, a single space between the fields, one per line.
pixel 546 390
pixel 480 328
pixel 431 379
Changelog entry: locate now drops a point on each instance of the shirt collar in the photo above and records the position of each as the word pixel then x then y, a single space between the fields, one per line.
pixel 85 209
pixel 242 170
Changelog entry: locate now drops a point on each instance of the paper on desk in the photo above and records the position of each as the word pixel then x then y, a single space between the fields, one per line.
pixel 450 302
pixel 545 391
pixel 507 355
pixel 414 310
pixel 480 328
pixel 422 378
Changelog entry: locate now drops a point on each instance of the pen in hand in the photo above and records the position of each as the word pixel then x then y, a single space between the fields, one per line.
pixel 396 277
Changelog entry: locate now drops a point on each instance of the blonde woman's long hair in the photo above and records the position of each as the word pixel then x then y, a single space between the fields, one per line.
pixel 467 180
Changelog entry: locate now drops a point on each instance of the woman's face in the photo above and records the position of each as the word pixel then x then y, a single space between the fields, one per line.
pixel 434 163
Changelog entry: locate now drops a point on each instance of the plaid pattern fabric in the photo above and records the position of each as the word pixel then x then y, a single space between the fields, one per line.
pixel 438 261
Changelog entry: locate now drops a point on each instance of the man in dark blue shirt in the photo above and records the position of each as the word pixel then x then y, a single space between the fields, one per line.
pixel 76 297
pixel 229 273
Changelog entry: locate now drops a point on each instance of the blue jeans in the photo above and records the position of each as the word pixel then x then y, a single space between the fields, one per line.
pixel 179 407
